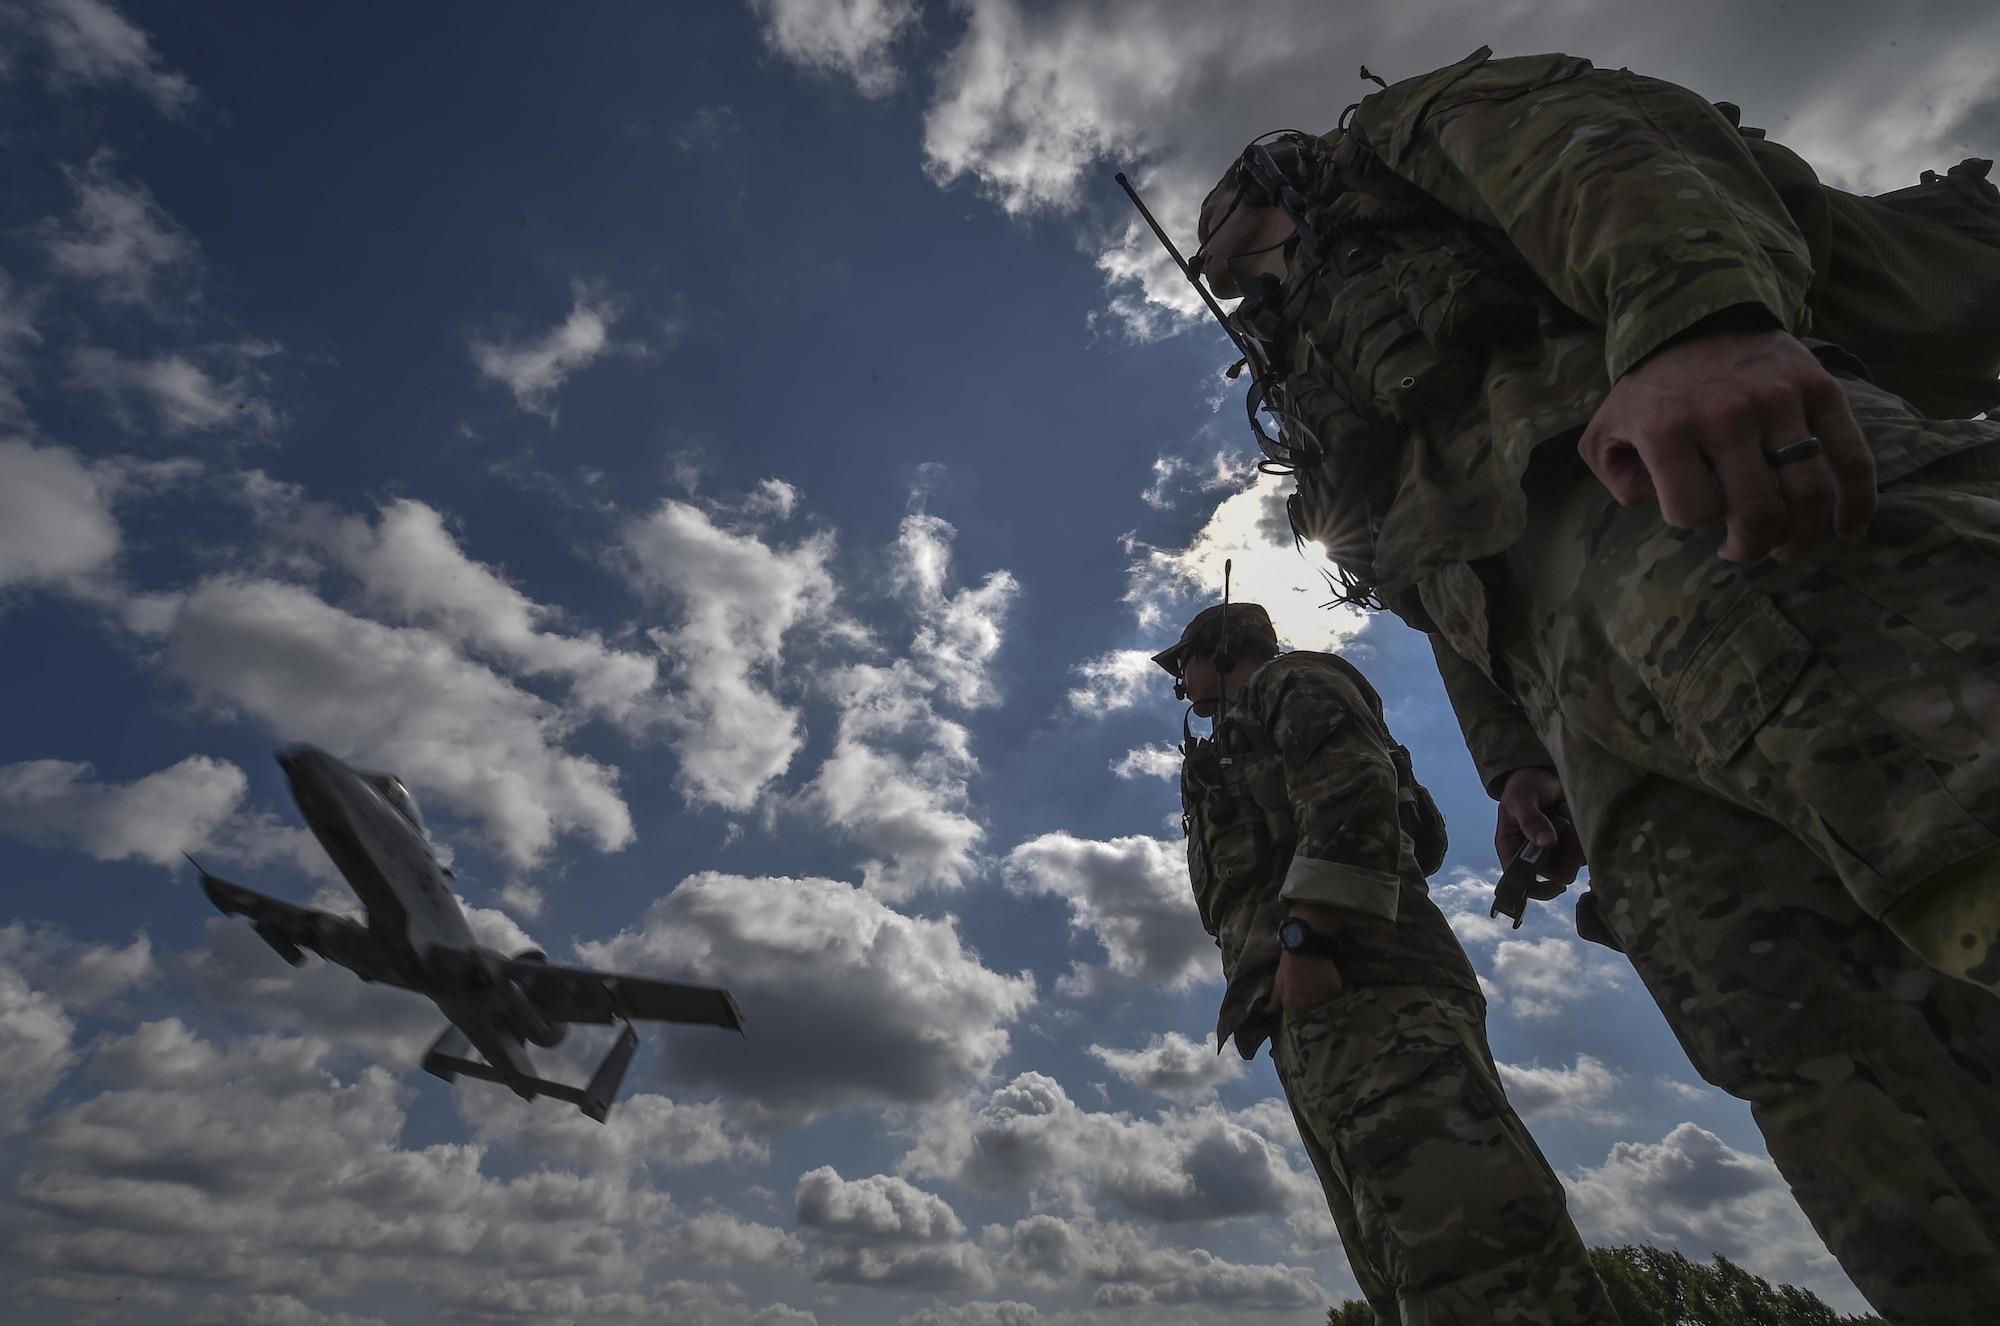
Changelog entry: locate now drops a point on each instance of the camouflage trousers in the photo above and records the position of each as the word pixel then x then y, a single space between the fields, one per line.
pixel 1448 1212
pixel 1764 762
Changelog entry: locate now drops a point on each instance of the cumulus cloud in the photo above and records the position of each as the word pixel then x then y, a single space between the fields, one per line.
pixel 897 779
pixel 401 698
pixel 155 818
pixel 1695 1192
pixel 723 1239
pixel 120 241
pixel 849 37
pixel 1539 978
pixel 1131 1270
pixel 252 1168
pixel 1131 895
pixel 412 569
pixel 1115 681
pixel 77 974
pixel 1161 761
pixel 958 632
pixel 534 370
pixel 56 524
pixel 886 1231
pixel 1250 531
pixel 91 42
pixel 1190 1166
pixel 848 1002
pixel 1576 1092
pixel 176 393
pixel 1007 1312
pixel 17 334
pixel 35 1036
pixel 1173 1066
pixel 739 598
pixel 1035 102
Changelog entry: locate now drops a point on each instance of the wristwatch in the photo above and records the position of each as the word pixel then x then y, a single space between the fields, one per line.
pixel 1295 936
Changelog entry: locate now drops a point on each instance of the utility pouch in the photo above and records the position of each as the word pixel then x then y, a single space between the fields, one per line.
pixel 1407 378
pixel 1459 302
pixel 1419 812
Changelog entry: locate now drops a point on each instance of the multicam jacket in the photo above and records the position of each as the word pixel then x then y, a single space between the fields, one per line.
pixel 1520 232
pixel 1296 798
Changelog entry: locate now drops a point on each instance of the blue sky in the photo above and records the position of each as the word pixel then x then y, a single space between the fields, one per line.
pixel 731 460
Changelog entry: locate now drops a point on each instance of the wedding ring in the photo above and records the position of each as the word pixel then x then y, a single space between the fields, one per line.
pixel 1803 449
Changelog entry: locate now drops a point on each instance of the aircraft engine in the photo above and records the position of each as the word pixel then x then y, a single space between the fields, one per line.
pixel 533 1024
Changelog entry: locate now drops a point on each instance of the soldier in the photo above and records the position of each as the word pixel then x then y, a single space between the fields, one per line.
pixel 1308 842
pixel 1577 377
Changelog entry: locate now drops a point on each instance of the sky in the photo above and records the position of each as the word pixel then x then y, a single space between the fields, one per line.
pixel 732 461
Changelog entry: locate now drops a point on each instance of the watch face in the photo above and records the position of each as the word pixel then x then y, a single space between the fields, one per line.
pixel 1292 933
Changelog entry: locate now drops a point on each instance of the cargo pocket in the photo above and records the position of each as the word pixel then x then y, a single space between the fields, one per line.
pixel 1772 727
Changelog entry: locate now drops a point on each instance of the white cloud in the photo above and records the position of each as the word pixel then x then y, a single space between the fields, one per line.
pixel 851 37
pixel 17 333
pixel 120 240
pixel 252 1169
pixel 1576 1092
pixel 1160 761
pixel 740 597
pixel 1132 1270
pixel 180 395
pixel 1539 978
pixel 975 1313
pixel 958 634
pixel 1037 101
pixel 535 370
pixel 1249 530
pixel 847 1001
pixel 1695 1192
pixel 91 42
pixel 78 975
pixel 886 1231
pixel 722 1239
pixel 1115 681
pixel 897 780
pixel 401 698
pixel 35 1037
pixel 1189 1166
pixel 56 526
pixel 1173 1066
pixel 412 570
pixel 1132 895
pixel 155 818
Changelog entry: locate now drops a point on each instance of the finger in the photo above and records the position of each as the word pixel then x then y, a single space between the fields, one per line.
pixel 1687 490
pixel 1847 457
pixel 1617 466
pixel 1753 501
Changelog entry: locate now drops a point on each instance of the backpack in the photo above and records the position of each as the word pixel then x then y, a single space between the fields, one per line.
pixel 1907 282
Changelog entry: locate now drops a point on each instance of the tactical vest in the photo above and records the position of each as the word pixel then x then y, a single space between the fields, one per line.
pixel 1397 321
pixel 1237 815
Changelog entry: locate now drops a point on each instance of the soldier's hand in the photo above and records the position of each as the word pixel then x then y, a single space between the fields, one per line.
pixel 1693 426
pixel 1526 799
pixel 1302 982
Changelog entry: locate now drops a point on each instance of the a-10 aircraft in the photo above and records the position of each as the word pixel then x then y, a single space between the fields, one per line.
pixel 417 938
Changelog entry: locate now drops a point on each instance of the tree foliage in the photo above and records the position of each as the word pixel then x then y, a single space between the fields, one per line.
pixel 1650 1287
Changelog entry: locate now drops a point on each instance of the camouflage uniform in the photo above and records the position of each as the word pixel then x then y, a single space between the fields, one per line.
pixel 1448 1211
pixel 1762 761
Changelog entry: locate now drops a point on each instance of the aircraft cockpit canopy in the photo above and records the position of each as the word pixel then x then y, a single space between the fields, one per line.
pixel 393 791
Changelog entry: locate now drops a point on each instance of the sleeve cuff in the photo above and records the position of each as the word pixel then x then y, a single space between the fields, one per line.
pixel 1335 884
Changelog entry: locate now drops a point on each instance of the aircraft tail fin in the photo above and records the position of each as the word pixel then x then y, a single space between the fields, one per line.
pixel 449 1058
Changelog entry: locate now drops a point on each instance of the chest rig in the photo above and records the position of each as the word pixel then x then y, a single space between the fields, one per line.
pixel 1386 318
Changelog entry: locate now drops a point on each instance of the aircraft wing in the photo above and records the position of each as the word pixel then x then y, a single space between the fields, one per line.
pixel 289 929
pixel 571 994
